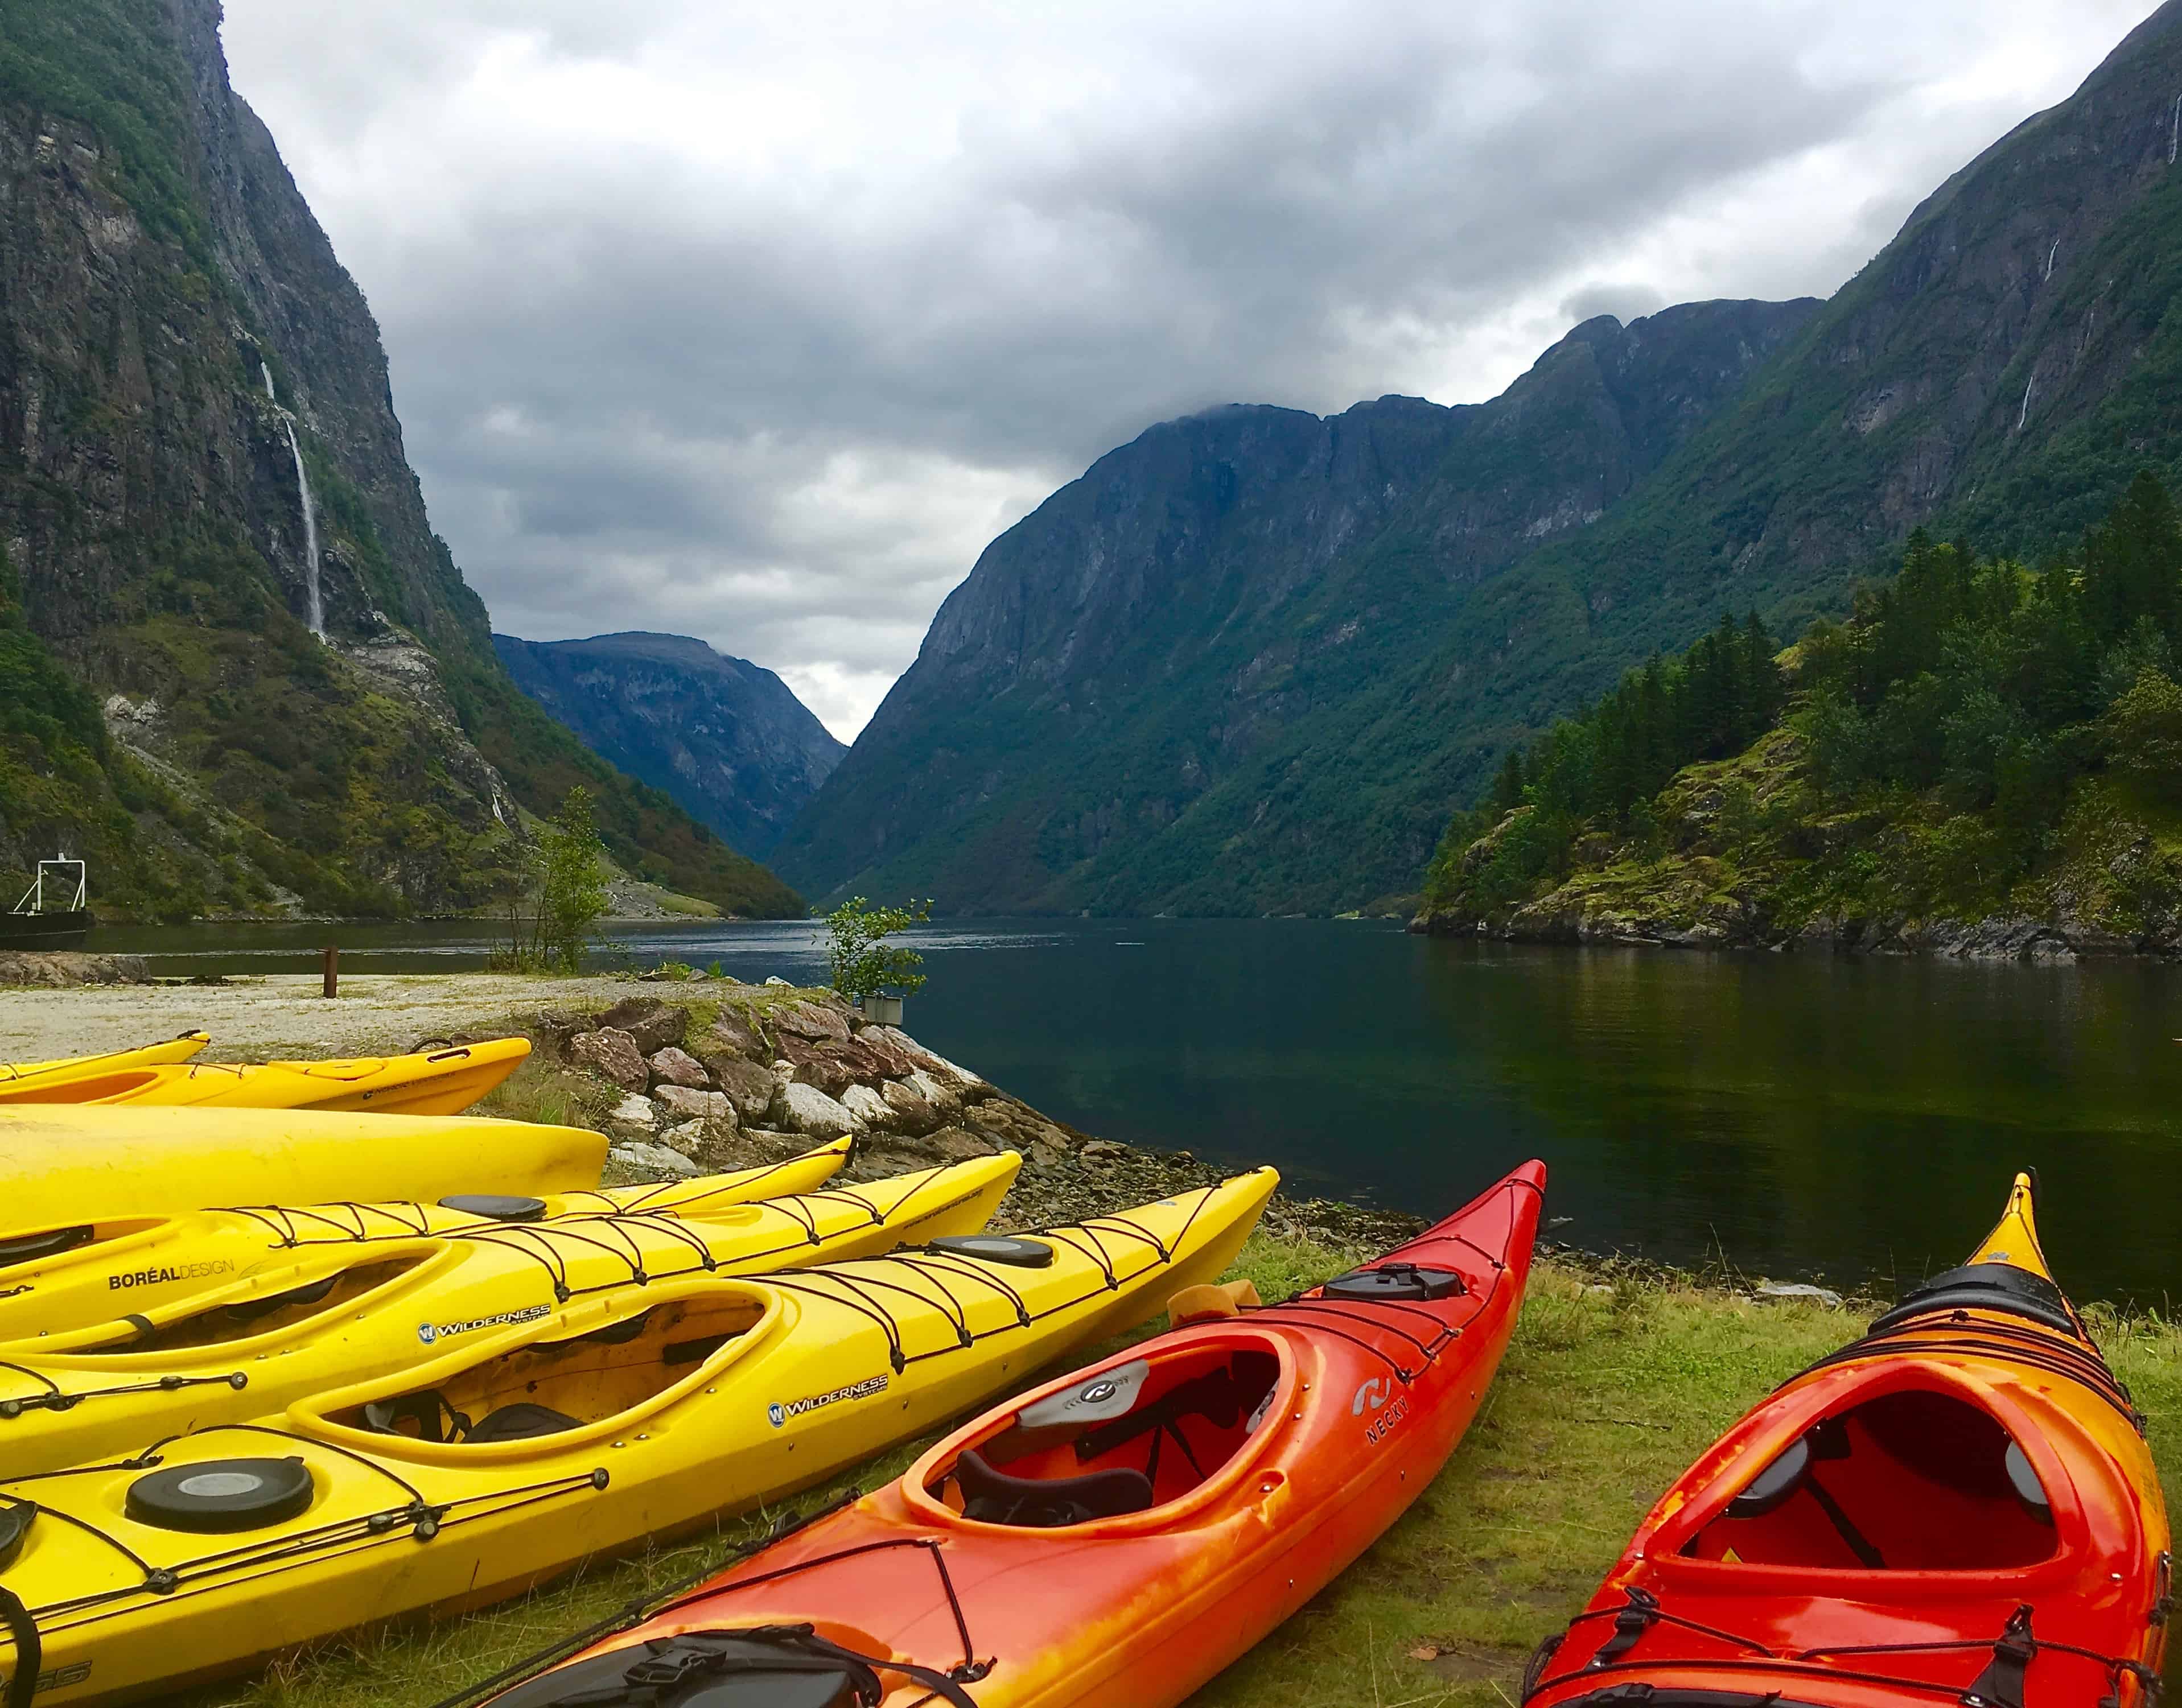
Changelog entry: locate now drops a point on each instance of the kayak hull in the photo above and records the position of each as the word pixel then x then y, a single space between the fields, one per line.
pixel 61 1166
pixel 1362 1404
pixel 139 1265
pixel 176 1049
pixel 1959 1505
pixel 440 1082
pixel 369 1307
pixel 805 1378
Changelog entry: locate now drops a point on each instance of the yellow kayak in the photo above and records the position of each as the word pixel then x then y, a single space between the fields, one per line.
pixel 348 1312
pixel 443 1082
pixel 176 1049
pixel 637 1413
pixel 59 1281
pixel 63 1165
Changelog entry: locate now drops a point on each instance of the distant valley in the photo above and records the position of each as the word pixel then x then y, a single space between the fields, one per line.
pixel 722 737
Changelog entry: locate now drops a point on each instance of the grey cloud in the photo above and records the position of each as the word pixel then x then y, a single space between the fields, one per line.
pixel 676 374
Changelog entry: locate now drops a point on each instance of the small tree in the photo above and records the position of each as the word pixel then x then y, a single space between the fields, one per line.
pixel 564 889
pixel 863 964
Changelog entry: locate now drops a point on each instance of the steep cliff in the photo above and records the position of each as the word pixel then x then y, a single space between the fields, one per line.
pixel 1121 662
pixel 200 465
pixel 727 740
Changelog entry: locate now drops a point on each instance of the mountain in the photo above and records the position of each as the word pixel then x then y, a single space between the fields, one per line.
pixel 724 737
pixel 200 464
pixel 1115 693
pixel 1206 680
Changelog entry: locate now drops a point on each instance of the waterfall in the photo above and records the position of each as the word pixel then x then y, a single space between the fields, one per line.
pixel 2050 254
pixel 2025 415
pixel 314 604
pixel 2175 133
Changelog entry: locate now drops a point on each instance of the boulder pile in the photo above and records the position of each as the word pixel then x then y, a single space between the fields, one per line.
pixel 765 1071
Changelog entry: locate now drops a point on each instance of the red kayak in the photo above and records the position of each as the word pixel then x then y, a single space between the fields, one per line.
pixel 1117 1537
pixel 1958 1508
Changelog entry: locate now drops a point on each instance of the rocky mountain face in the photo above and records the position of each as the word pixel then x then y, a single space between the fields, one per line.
pixel 2004 367
pixel 725 738
pixel 237 666
pixel 1097 710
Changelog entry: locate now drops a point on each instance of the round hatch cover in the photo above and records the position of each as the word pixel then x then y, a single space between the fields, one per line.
pixel 221 1494
pixel 495 1207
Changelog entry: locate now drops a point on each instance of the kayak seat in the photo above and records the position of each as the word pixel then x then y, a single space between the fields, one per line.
pixel 1908 1480
pixel 520 1422
pixel 438 1421
pixel 990 1496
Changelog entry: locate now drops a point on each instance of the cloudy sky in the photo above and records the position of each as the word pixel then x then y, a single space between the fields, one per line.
pixel 757 322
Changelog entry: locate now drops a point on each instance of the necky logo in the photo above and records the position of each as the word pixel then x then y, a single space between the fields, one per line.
pixel 1371 1396
pixel 1098 1394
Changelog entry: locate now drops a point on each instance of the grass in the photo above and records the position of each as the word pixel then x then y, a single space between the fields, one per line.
pixel 1609 1391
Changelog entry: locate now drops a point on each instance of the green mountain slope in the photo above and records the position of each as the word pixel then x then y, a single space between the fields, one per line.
pixel 176 336
pixel 1987 757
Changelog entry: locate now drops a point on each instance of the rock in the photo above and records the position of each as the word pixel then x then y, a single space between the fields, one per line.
pixel 958 1145
pixel 687 1137
pixel 732 1034
pixel 868 1106
pixel 635 1110
pixel 613 1052
pixel 652 1023
pixel 816 1063
pixel 1103 1151
pixel 809 1019
pixel 654 1160
pixel 747 1086
pixel 67 967
pixel 679 1068
pixel 682 1103
pixel 807 1110
pixel 931 1060
pixel 943 1099
pixel 1799 1290
pixel 909 1113
pixel 776 979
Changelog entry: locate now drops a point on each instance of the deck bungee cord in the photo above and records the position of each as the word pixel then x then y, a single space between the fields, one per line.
pixel 1305 1311
pixel 2010 1652
pixel 842 1285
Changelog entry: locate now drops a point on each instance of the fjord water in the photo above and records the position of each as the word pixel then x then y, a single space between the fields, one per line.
pixel 1792 1116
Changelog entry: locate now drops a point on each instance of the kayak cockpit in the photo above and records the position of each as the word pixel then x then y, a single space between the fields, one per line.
pixel 1132 1438
pixel 601 1377
pixel 234 1315
pixel 90 1088
pixel 40 1245
pixel 1911 1480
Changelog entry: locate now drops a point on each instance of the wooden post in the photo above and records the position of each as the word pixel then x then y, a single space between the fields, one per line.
pixel 333 972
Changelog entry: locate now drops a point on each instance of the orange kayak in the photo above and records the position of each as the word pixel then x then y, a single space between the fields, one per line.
pixel 1117 1537
pixel 1958 1508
